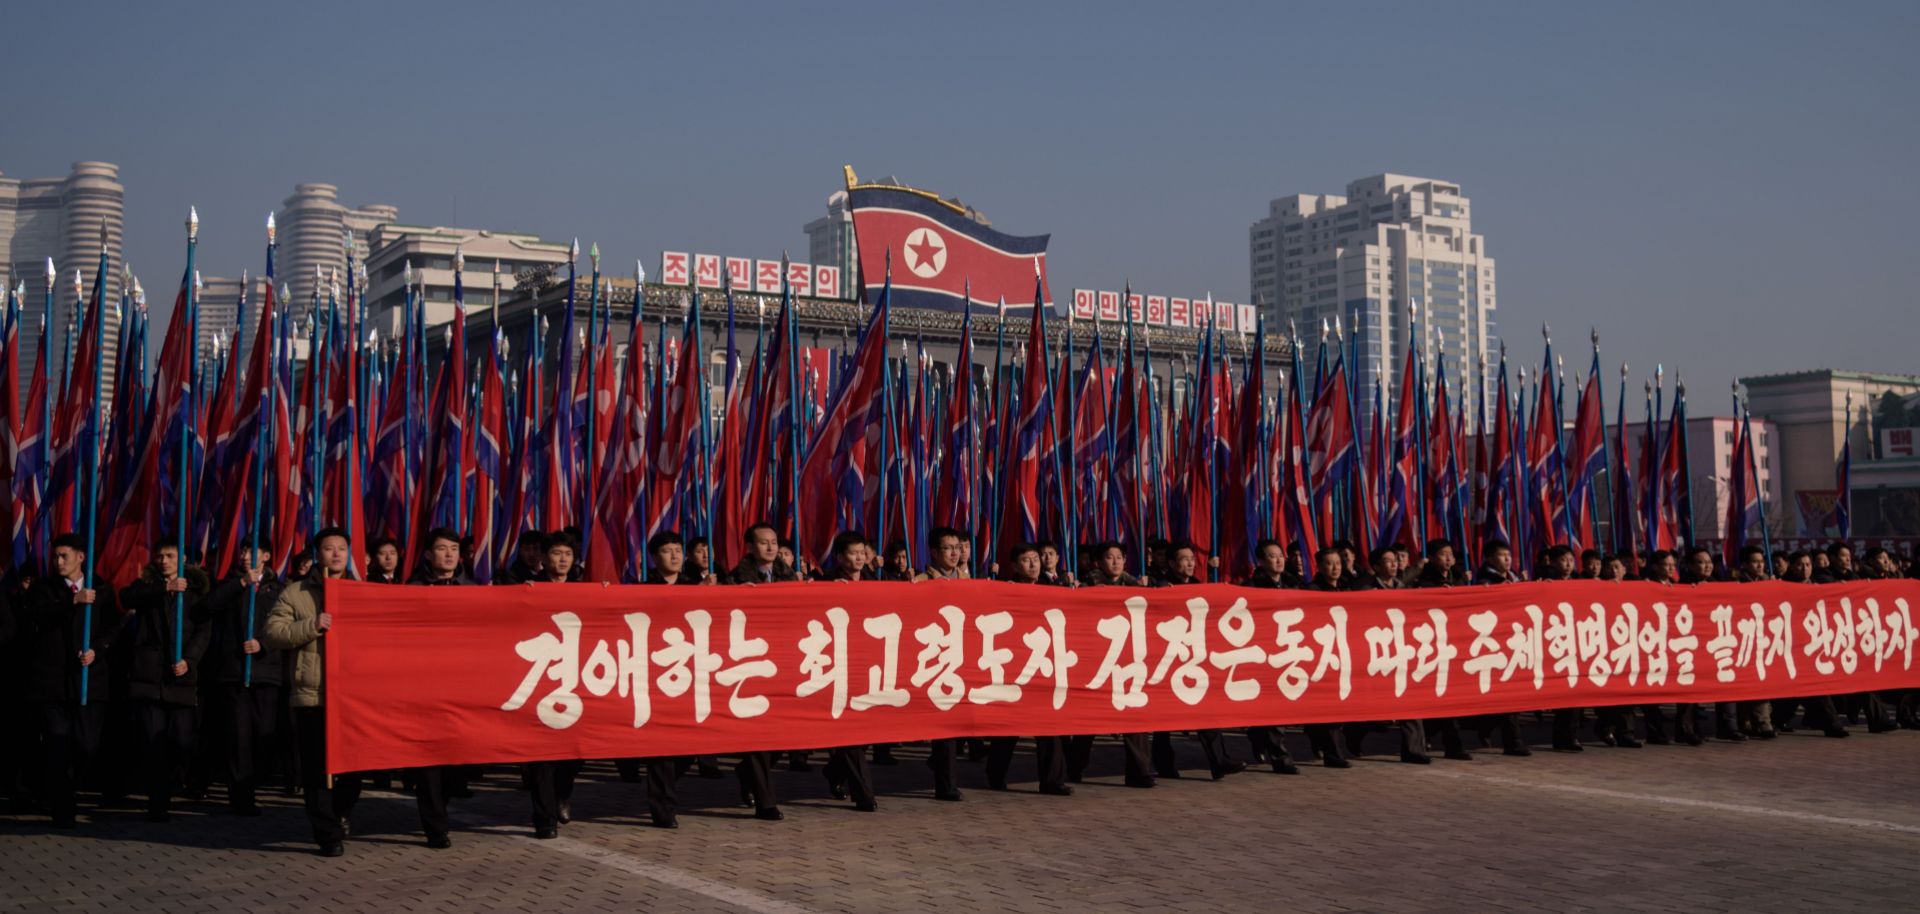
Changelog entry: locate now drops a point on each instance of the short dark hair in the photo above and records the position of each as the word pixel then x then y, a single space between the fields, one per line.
pixel 1325 551
pixel 1494 546
pixel 1176 548
pixel 1379 554
pixel 1435 545
pixel 847 539
pixel 747 537
pixel 437 534
pixel 936 534
pixel 1014 554
pixel 695 542
pixel 167 542
pixel 1747 552
pixel 535 538
pixel 662 540
pixel 326 532
pixel 373 545
pixel 565 540
pixel 68 541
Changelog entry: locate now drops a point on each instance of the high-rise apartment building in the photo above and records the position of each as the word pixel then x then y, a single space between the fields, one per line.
pixel 61 218
pixel 1390 243
pixel 314 228
pixel 830 239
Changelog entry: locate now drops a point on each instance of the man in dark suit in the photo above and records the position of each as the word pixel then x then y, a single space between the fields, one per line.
pixel 52 619
pixel 1383 573
pixel 1270 574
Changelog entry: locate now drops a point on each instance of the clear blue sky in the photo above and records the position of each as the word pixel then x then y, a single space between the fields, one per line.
pixel 1723 187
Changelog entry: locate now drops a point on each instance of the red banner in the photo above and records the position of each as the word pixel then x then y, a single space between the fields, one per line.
pixel 438 675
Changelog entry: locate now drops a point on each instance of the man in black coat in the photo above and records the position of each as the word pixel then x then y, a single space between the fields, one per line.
pixel 1183 566
pixel 1496 567
pixel 550 783
pixel 1110 570
pixel 667 567
pixel 169 637
pixel 761 565
pixel 246 679
pixel 1383 573
pixel 1329 576
pixel 52 620
pixel 433 784
pixel 1025 566
pixel 1270 574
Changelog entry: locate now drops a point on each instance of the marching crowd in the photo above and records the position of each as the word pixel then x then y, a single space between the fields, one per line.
pixel 234 695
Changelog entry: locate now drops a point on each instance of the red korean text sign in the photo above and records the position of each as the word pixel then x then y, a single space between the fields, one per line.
pixel 442 675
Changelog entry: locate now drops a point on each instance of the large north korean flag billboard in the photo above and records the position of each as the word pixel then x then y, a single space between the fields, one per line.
pixel 941 259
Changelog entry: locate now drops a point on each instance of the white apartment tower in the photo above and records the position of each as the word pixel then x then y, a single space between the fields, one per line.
pixel 61 219
pixel 1392 241
pixel 313 231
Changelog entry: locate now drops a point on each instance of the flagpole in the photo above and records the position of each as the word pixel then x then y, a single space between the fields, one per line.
pixel 792 330
pixel 92 456
pixel 1766 535
pixel 1685 519
pixel 585 520
pixel 180 483
pixel 253 537
pixel 1606 454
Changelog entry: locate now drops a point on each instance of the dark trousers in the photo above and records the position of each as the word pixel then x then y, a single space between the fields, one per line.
pixel 663 774
pixel 1049 753
pixel 1212 745
pixel 166 748
pixel 1614 721
pixel 69 743
pixel 550 784
pixel 1685 719
pixel 250 730
pixel 847 769
pixel 329 801
pixel 756 779
pixel 940 755
pixel 1413 736
pixel 1326 740
pixel 1566 726
pixel 430 797
pixel 1268 744
pixel 1138 750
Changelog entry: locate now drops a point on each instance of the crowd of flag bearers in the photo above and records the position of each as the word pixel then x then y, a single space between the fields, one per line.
pixel 165 619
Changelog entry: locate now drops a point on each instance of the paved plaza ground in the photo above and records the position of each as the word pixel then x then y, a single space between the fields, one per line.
pixel 1801 823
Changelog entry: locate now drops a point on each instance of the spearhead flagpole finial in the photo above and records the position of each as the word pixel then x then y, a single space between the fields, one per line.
pixel 573 251
pixel 406 272
pixel 1594 333
pixel 79 288
pixel 193 224
pixel 271 231
pixel 197 284
pixel 52 274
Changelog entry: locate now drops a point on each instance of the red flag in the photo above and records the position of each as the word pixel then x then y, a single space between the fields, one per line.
pixel 134 531
pixel 846 447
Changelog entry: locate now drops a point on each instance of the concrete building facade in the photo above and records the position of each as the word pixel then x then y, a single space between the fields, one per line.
pixel 1710 441
pixel 1811 409
pixel 1392 242
pixel 61 218
pixel 430 251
